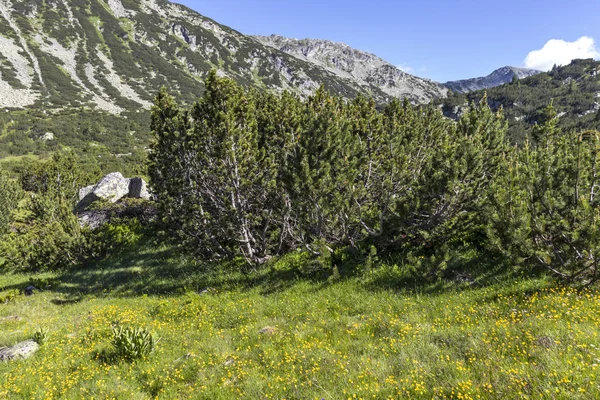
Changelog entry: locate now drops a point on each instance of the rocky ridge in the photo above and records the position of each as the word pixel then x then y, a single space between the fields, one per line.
pixel 499 77
pixel 371 72
pixel 113 55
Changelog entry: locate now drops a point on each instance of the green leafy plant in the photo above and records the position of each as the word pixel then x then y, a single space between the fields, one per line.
pixel 40 336
pixel 114 237
pixel 132 343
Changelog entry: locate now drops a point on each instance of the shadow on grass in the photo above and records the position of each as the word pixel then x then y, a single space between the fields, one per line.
pixel 163 270
pixel 66 302
pixel 465 271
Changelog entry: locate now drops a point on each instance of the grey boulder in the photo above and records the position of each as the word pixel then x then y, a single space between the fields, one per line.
pixel 19 351
pixel 85 191
pixel 112 188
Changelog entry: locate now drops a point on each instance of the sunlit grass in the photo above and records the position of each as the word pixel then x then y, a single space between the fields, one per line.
pixel 348 339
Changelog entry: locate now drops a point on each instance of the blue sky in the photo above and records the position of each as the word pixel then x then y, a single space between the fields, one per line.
pixel 437 39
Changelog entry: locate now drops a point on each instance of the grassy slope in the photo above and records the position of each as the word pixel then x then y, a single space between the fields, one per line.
pixel 522 339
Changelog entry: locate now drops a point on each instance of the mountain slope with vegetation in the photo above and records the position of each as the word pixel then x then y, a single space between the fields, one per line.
pixel 498 77
pixel 573 90
pixel 113 55
pixel 82 73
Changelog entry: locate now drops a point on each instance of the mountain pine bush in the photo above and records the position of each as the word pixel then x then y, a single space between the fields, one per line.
pixel 546 207
pixel 255 175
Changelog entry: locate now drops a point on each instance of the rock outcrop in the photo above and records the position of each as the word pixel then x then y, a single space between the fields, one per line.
pixel 112 188
pixel 143 212
pixel 115 190
pixel 138 189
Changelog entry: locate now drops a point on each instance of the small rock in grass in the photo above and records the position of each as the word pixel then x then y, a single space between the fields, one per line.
pixel 207 290
pixel 545 341
pixel 228 362
pixel 19 351
pixel 185 357
pixel 29 290
pixel 10 318
pixel 268 330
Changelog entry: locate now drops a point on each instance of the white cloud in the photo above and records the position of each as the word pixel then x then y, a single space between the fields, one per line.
pixel 560 52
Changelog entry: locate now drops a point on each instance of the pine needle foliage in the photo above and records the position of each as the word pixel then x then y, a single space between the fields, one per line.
pixel 256 175
pixel 546 206
pixel 10 194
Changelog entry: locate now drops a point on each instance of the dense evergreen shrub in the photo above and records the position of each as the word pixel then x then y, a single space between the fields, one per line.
pixel 47 235
pixel 255 175
pixel 546 206
pixel 10 195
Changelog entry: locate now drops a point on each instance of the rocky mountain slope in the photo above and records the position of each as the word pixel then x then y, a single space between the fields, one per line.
pixel 113 55
pixel 498 77
pixel 573 90
pixel 372 73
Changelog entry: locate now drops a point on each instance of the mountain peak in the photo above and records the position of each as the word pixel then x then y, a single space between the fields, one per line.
pixel 369 70
pixel 499 77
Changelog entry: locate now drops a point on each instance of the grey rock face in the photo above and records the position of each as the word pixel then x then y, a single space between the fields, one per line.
pixel 455 112
pixel 48 136
pixel 144 212
pixel 93 219
pixel 112 187
pixel 19 351
pixel 499 77
pixel 366 69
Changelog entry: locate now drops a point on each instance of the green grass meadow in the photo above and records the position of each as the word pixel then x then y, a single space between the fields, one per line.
pixel 272 334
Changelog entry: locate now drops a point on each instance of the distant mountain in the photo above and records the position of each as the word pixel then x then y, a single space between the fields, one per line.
pixel 498 77
pixel 84 72
pixel 374 75
pixel 574 91
pixel 113 55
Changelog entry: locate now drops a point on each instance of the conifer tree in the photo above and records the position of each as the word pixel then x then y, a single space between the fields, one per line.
pixel 320 171
pixel 215 173
pixel 50 236
pixel 412 147
pixel 367 126
pixel 171 157
pixel 546 207
pixel 279 122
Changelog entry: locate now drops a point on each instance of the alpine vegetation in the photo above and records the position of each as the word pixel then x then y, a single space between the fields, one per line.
pixel 256 175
